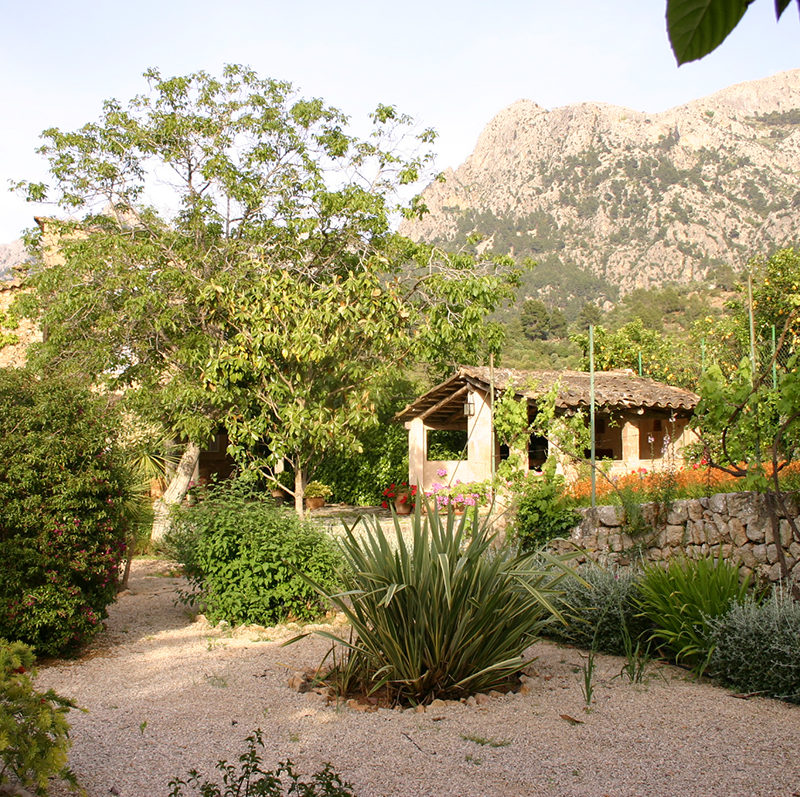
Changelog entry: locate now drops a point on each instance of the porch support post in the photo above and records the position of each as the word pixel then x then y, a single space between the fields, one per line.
pixel 416 452
pixel 479 431
pixel 630 442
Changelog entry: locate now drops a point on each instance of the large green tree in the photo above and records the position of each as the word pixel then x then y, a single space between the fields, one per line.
pixel 226 233
pixel 663 359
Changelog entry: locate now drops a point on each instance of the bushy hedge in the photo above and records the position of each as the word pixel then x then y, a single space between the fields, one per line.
pixel 243 557
pixel 62 514
pixel 34 733
pixel 757 647
pixel 601 610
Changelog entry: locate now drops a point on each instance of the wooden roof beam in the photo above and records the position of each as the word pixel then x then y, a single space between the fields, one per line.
pixel 445 401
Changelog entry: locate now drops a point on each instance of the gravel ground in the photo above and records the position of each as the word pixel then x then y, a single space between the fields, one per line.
pixel 165 693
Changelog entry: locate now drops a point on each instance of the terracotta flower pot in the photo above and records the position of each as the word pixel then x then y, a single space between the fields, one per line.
pixel 314 503
pixel 403 507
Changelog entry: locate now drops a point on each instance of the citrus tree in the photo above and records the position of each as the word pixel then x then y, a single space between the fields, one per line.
pixel 748 418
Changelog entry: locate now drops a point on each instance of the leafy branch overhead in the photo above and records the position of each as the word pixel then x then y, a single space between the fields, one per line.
pixel 696 27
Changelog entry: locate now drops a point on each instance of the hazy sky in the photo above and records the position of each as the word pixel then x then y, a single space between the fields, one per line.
pixel 451 65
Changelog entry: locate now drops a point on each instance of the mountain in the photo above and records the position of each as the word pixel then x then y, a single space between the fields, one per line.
pixel 608 199
pixel 11 255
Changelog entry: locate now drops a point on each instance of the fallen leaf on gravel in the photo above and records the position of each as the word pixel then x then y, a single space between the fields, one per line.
pixel 571 720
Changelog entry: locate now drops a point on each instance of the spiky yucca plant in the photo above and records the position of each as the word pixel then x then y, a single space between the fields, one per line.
pixel 441 615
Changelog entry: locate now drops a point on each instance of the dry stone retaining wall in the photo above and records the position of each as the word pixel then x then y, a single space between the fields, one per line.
pixel 737 525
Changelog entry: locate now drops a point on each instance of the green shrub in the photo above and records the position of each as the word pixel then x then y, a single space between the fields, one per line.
pixel 757 647
pixel 600 608
pixel 682 600
pixel 544 511
pixel 317 490
pixel 63 497
pixel 439 614
pixel 246 559
pixel 34 733
pixel 253 779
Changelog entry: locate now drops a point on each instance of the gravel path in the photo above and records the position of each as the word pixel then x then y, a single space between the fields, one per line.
pixel 166 693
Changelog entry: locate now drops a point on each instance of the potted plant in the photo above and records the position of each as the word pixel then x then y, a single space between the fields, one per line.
pixel 316 493
pixel 402 496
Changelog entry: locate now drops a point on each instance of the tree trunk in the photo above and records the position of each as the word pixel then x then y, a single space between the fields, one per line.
pixel 299 491
pixel 175 492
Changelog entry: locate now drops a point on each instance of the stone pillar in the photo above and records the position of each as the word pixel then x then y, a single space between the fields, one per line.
pixel 630 443
pixel 481 439
pixel 416 451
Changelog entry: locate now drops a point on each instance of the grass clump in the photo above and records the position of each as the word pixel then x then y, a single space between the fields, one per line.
pixel 681 602
pixel 756 647
pixel 248 561
pixel 441 615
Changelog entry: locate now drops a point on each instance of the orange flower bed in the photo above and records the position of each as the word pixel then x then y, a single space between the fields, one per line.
pixel 693 480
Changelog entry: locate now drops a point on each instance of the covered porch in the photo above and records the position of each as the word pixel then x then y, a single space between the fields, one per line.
pixel 639 423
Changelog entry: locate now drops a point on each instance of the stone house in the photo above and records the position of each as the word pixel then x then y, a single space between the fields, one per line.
pixel 639 423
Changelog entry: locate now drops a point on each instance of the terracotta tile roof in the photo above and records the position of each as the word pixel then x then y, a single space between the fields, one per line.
pixel 613 390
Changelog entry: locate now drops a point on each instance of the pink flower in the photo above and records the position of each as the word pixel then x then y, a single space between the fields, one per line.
pixel 442 472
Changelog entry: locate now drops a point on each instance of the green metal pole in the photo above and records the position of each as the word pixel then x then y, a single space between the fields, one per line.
pixel 640 363
pixel 591 414
pixel 491 415
pixel 752 327
pixel 774 360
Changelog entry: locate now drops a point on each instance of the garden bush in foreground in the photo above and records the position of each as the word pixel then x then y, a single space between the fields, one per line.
pixel 544 510
pixel 248 561
pixel 757 647
pixel 62 512
pixel 601 609
pixel 439 615
pixel 34 734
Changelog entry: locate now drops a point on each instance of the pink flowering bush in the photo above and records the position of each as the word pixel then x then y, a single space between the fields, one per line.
pixel 62 512
pixel 460 495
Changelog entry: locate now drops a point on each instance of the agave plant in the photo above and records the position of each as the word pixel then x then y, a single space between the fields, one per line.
pixel 441 614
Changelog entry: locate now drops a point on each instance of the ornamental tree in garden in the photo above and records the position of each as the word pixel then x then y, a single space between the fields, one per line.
pixel 233 262
pixel 305 361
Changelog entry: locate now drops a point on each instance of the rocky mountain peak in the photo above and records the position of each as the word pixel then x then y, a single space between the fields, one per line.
pixel 635 199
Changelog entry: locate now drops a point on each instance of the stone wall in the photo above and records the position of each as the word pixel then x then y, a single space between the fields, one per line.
pixel 737 525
